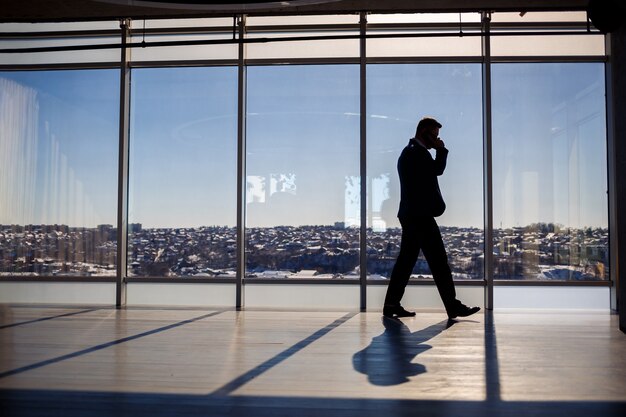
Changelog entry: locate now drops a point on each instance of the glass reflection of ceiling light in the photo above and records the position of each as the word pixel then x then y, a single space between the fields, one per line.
pixel 216 5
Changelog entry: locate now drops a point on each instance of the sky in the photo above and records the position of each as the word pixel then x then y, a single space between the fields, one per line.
pixel 59 144
pixel 549 144
pixel 58 149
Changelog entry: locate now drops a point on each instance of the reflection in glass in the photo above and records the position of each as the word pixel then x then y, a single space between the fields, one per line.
pixel 398 96
pixel 549 172
pixel 58 172
pixel 303 172
pixel 182 191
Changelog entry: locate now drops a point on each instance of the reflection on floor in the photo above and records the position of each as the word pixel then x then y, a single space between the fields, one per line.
pixel 166 362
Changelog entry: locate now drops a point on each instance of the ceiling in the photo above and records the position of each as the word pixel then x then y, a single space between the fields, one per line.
pixel 85 10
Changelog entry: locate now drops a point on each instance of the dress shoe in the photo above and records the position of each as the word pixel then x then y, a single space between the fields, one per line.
pixel 397 311
pixel 461 310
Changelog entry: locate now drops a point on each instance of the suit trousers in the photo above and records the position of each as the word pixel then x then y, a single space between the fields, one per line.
pixel 421 233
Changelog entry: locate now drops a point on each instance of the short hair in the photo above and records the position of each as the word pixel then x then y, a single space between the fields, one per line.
pixel 426 123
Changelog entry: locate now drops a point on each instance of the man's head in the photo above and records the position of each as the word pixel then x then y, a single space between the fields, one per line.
pixel 428 131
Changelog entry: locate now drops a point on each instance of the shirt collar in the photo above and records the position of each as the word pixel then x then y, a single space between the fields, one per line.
pixel 419 142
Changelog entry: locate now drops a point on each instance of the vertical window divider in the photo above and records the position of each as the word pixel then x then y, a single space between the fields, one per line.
pixel 612 175
pixel 487 160
pixel 363 162
pixel 241 166
pixel 122 197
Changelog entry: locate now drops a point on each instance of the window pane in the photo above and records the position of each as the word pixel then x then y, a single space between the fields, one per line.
pixel 58 172
pixel 340 48
pixel 582 44
pixel 222 22
pixel 423 18
pixel 551 45
pixel 63 57
pixel 346 19
pixel 424 46
pixel 429 24
pixel 111 28
pixel 184 52
pixel 549 172
pixel 398 96
pixel 282 26
pixel 537 17
pixel 59 26
pixel 303 171
pixel 214 29
pixel 182 199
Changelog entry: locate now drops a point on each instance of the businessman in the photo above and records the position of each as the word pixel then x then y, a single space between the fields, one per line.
pixel 420 203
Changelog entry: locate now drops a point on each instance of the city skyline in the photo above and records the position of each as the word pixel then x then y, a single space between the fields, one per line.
pixel 540 251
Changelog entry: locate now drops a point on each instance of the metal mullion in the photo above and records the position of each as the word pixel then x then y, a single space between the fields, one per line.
pixel 179 280
pixel 548 58
pixel 476 59
pixel 548 25
pixel 281 39
pixel 186 30
pixel 301 281
pixel 186 63
pixel 241 167
pixel 431 282
pixel 539 283
pixel 306 61
pixel 302 61
pixel 477 26
pixel 487 163
pixel 334 27
pixel 45 67
pixel 203 30
pixel 363 162
pixel 57 278
pixel 425 26
pixel 612 170
pixel 64 34
pixel 122 189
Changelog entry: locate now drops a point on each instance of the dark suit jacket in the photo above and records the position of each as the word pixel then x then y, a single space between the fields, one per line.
pixel 419 189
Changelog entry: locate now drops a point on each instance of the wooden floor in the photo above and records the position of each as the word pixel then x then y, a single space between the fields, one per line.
pixel 169 362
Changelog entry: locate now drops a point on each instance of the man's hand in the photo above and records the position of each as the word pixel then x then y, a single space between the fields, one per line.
pixel 438 144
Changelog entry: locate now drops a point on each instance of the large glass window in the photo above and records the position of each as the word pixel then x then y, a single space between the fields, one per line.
pixel 303 172
pixel 549 172
pixel 397 97
pixel 58 172
pixel 183 172
pixel 60 129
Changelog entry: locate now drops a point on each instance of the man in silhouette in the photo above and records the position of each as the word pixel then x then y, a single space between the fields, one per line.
pixel 420 203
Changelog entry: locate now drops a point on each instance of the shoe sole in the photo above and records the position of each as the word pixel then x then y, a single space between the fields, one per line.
pixel 405 315
pixel 395 315
pixel 471 311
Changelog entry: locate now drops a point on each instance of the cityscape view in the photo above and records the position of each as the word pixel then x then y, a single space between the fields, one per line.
pixel 302 164
pixel 536 252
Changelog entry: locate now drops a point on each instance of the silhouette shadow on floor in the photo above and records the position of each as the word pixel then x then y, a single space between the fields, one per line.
pixel 388 360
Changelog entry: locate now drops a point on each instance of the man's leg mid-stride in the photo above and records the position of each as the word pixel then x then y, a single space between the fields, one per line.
pixel 409 251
